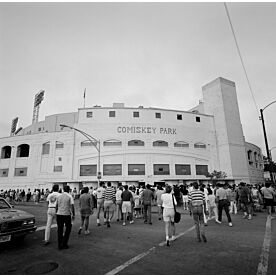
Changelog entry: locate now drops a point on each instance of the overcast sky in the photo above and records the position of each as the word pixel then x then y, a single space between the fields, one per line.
pixel 150 54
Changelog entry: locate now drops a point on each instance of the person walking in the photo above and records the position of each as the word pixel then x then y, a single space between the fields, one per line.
pixel 212 206
pixel 167 199
pixel 185 193
pixel 222 198
pixel 158 195
pixel 100 202
pixel 147 198
pixel 118 196
pixel 205 191
pixel 86 205
pixel 51 212
pixel 126 205
pixel 109 203
pixel 29 195
pixel 65 215
pixel 268 194
pixel 246 201
pixel 233 200
pixel 197 205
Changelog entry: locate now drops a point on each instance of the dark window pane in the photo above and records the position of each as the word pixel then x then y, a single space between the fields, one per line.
pixel 88 170
pixel 112 169
pixel 136 169
pixel 201 169
pixel 182 169
pixel 161 169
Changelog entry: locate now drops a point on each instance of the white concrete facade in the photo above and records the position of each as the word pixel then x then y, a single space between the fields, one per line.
pixel 136 145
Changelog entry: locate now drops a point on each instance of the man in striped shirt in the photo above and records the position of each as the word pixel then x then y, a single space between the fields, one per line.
pixel 197 205
pixel 109 201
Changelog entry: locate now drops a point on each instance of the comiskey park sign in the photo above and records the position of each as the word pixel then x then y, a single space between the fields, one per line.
pixel 146 130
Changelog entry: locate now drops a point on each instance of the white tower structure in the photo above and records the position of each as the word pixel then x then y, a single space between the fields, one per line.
pixel 220 100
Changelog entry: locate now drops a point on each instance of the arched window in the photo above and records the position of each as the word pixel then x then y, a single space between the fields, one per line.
pixel 59 145
pixel 199 146
pixel 23 150
pixel 181 144
pixel 46 148
pixel 112 143
pixel 88 143
pixel 249 155
pixel 6 152
pixel 160 143
pixel 136 143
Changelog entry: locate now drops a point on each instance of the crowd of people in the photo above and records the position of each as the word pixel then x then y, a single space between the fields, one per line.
pixel 127 203
pixel 20 195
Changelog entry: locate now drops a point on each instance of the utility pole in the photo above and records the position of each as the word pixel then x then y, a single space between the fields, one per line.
pixel 266 143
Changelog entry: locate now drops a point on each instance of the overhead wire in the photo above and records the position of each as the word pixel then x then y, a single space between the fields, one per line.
pixel 239 52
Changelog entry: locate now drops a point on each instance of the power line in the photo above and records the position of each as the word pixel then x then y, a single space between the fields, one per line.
pixel 239 52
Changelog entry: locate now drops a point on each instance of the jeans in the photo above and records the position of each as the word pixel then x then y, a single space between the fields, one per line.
pixel 199 221
pixel 223 204
pixel 61 221
pixel 51 213
pixel 147 212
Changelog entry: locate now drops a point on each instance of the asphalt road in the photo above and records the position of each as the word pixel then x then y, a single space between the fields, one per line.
pixel 140 249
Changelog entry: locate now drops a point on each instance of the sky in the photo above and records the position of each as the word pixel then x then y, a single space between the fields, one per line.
pixel 156 54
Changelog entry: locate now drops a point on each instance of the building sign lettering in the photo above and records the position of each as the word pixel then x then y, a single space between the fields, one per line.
pixel 146 130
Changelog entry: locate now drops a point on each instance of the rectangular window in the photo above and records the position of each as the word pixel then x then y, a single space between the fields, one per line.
pixel 197 119
pixel 136 169
pixel 201 169
pixel 20 171
pixel 39 129
pixel 112 113
pixel 59 145
pixel 161 169
pixel 182 169
pixel 4 172
pixel 57 168
pixel 112 169
pixel 135 114
pixel 88 170
pixel 179 116
pixel 59 159
pixel 46 148
pixel 158 115
pixel 89 114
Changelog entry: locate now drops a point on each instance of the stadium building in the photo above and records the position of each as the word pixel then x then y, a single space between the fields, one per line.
pixel 132 145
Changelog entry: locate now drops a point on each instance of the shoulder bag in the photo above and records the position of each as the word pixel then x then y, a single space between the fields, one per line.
pixel 177 215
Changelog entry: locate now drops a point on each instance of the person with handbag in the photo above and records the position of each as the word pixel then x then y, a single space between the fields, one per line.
pixel 197 205
pixel 168 202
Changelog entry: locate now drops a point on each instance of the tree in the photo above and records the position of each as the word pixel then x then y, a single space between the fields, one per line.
pixel 216 175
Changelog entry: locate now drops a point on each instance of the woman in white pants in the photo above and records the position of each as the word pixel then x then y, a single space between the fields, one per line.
pixel 212 206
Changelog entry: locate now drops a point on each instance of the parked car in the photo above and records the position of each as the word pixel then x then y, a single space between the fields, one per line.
pixel 14 224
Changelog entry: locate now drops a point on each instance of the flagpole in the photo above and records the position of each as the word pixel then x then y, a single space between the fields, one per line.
pixel 84 97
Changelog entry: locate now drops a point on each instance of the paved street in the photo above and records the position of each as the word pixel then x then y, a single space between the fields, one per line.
pixel 140 248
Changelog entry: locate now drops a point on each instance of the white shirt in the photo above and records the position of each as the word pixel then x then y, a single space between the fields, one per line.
pixel 52 199
pixel 166 200
pixel 64 202
pixel 100 192
pixel 118 194
pixel 212 200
